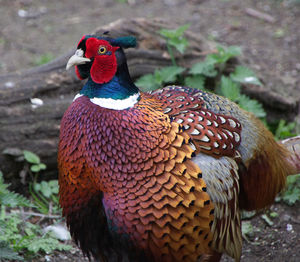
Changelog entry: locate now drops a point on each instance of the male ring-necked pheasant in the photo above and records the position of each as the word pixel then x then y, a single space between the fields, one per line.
pixel 159 176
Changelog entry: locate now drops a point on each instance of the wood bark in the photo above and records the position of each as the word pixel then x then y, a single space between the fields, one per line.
pixel 37 129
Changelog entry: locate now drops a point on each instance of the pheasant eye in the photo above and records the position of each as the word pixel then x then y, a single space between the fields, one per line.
pixel 102 50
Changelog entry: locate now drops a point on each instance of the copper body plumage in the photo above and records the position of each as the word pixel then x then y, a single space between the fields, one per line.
pixel 165 179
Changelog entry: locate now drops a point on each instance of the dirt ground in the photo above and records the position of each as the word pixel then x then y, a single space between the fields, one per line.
pixel 33 29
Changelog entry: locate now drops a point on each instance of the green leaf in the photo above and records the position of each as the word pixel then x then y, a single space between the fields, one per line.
pixel 267 220
pixel 195 81
pixel 244 75
pixel 179 43
pixel 251 105
pixel 11 199
pixel 175 37
pixel 161 76
pixel 3 186
pixel 147 83
pixel 158 77
pixel 169 74
pixel 35 168
pixel 247 214
pixel 181 29
pixel 53 184
pixel 42 166
pixel 247 228
pixel 274 214
pixel 224 54
pixel 7 253
pixel 31 157
pixel 211 60
pixel 291 180
pixel 292 193
pixel 284 130
pixel 205 68
pixel 46 244
pixel 37 187
pixel 291 196
pixel 55 190
pixel 46 189
pixel 28 241
pixel 174 33
pixel 229 89
pixel 233 51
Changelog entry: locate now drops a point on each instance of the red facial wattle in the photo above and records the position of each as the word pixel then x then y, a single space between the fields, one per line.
pixel 104 65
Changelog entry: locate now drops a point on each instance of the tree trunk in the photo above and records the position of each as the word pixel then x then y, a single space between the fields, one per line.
pixel 23 126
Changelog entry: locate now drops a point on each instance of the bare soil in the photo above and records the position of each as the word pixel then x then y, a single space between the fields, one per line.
pixel 29 29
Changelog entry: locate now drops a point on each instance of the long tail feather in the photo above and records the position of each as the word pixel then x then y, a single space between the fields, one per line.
pixel 293 145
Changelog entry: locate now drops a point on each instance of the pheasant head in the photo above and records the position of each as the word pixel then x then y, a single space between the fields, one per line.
pixel 102 61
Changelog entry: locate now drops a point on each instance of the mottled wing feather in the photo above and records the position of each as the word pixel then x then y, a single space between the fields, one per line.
pixel 212 133
pixel 222 179
pixel 218 135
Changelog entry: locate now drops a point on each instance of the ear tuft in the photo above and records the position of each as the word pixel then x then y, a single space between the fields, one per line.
pixel 125 41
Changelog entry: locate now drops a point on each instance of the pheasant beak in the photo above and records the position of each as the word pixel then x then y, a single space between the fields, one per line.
pixel 77 59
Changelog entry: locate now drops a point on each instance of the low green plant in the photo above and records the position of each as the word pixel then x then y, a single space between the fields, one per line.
pixel 45 193
pixel 7 253
pixel 175 40
pixel 27 239
pixel 34 161
pixel 213 66
pixel 267 219
pixel 284 129
pixel 10 199
pixel 230 87
pixel 247 229
pixel 19 238
pixel 292 193
pixel 160 77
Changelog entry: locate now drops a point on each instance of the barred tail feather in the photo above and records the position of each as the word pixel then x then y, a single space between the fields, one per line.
pixel 265 174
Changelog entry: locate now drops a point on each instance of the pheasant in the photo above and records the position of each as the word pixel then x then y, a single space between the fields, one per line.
pixel 159 176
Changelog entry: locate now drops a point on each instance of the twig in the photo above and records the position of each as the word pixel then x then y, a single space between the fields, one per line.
pixel 260 15
pixel 39 215
pixel 208 52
